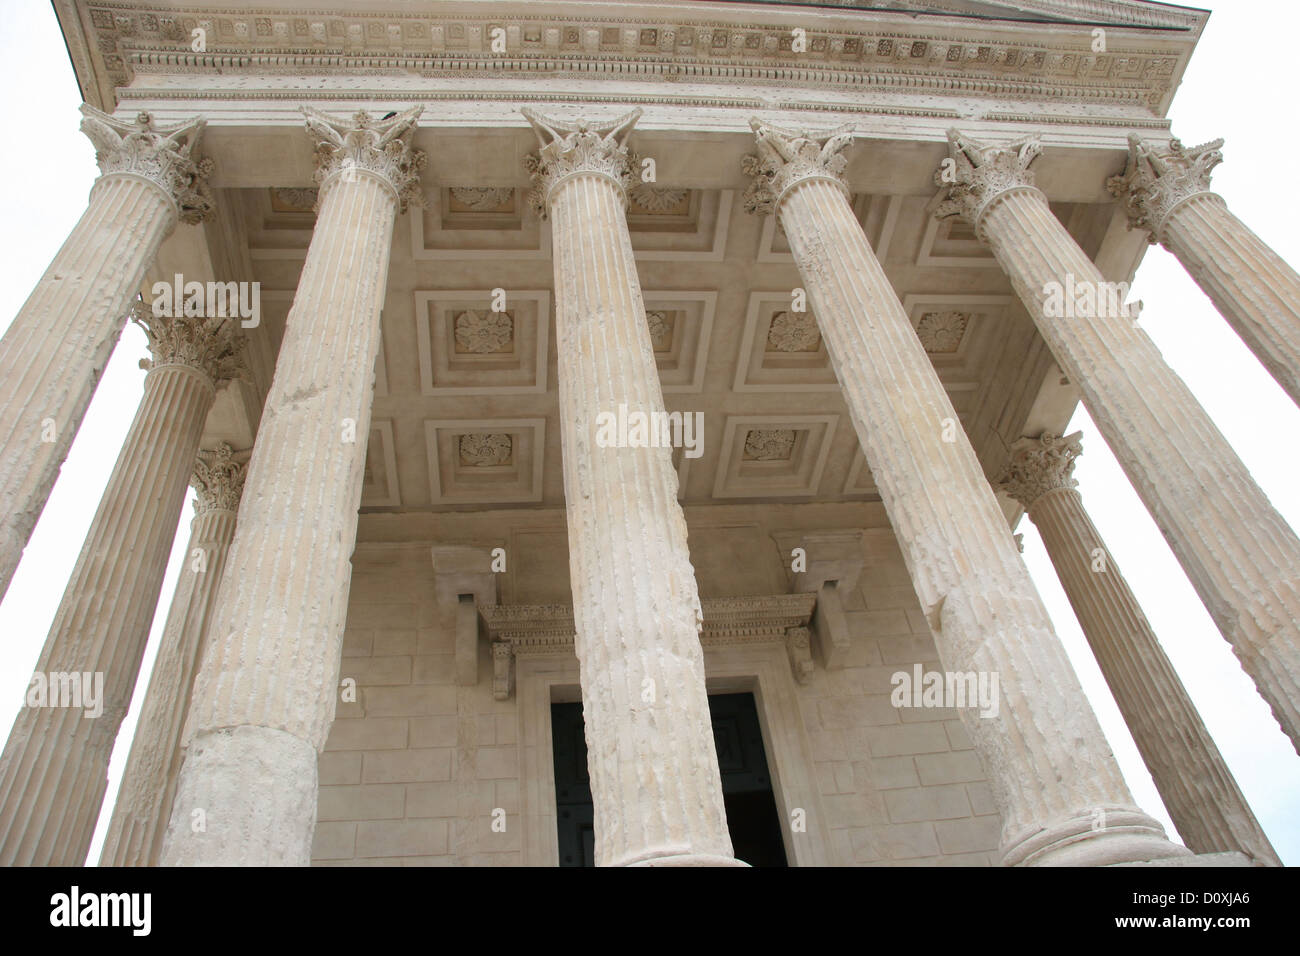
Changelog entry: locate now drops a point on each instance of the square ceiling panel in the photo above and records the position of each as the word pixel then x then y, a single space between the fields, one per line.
pixel 485 461
pixel 680 327
pixel 467 348
pixel 781 350
pixel 477 222
pixel 668 224
pixel 951 244
pixel 765 456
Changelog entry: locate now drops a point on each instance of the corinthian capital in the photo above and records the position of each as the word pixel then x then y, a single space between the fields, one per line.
pixel 1159 178
pixel 218 479
pixel 786 157
pixel 567 147
pixel 976 174
pixel 163 156
pixel 347 149
pixel 1039 465
pixel 212 346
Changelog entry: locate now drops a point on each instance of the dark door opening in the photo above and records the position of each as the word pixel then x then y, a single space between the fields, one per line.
pixel 752 816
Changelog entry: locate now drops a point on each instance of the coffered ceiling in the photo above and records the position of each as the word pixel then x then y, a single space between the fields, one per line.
pixel 466 412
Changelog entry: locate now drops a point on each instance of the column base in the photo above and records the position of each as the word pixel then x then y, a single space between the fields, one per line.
pixel 256 788
pixel 1125 835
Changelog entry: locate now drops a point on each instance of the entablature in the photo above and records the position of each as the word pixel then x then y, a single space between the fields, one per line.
pixel 1021 51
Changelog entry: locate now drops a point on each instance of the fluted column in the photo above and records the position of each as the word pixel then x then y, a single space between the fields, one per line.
pixel 1240 555
pixel 144 799
pixel 655 784
pixel 267 686
pixel 52 355
pixel 1054 779
pixel 1198 790
pixel 54 768
pixel 1166 191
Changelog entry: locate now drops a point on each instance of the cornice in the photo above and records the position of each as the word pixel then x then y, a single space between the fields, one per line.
pixel 852 49
pixel 1131 12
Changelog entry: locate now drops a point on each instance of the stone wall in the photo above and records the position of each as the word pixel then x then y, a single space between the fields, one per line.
pixel 415 767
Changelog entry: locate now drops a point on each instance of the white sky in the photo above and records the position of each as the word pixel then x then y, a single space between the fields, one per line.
pixel 1230 90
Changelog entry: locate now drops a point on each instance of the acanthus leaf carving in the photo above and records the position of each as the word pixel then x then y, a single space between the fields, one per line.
pixel 976 175
pixel 380 147
pixel 786 157
pixel 163 156
pixel 571 146
pixel 211 345
pixel 1158 179
pixel 218 479
pixel 1039 465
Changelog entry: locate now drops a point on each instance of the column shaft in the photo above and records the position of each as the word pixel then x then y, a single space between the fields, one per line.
pixel 1198 790
pixel 267 687
pixel 1241 556
pixel 1195 783
pixel 1249 283
pixel 52 355
pixel 53 772
pixel 1050 768
pixel 144 799
pixel 655 785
